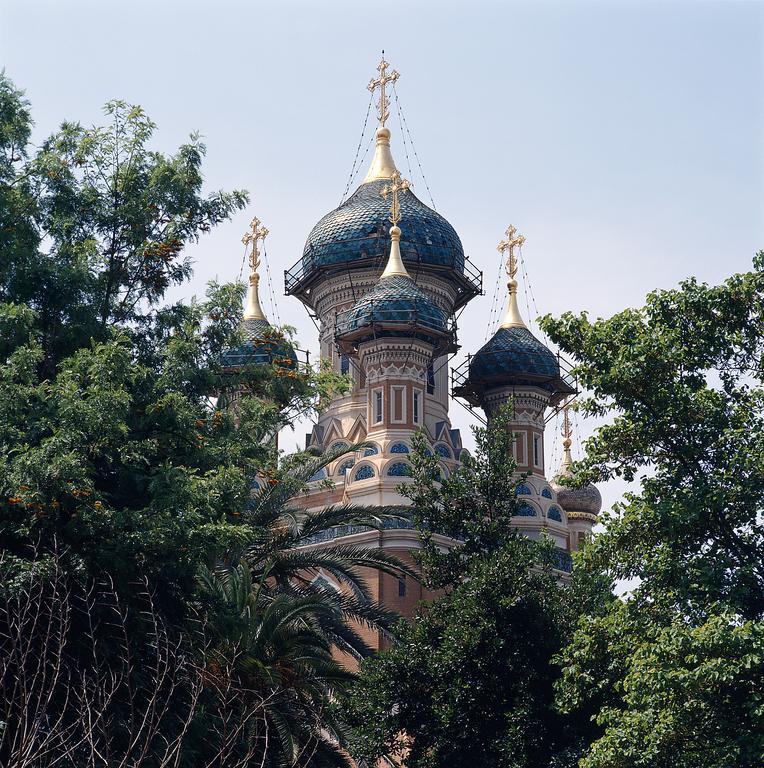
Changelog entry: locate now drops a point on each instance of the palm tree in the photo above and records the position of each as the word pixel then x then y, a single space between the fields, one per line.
pixel 283 625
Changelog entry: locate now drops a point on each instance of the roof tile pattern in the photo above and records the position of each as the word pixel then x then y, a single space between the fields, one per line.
pixel 359 229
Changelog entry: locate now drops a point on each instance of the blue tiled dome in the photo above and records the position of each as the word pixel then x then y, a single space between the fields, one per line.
pixel 395 301
pixel 358 230
pixel 262 345
pixel 513 356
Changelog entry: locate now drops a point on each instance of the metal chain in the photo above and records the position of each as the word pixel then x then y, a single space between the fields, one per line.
pixel 272 295
pixel 413 146
pixel 356 164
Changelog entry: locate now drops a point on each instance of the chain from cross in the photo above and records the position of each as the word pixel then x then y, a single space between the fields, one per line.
pixel 513 241
pixel 394 188
pixel 381 82
pixel 256 233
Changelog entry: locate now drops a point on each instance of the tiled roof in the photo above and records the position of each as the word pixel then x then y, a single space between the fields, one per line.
pixel 513 356
pixel 587 498
pixel 359 229
pixel 262 345
pixel 395 300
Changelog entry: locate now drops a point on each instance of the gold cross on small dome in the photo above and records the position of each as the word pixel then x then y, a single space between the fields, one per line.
pixel 396 186
pixel 254 235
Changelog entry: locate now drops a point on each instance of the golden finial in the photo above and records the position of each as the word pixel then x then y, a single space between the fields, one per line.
pixel 255 235
pixel 395 265
pixel 384 102
pixel 397 185
pixel 567 433
pixel 512 317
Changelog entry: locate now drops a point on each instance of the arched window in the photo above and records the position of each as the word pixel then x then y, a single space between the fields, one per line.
pixel 345 466
pixel 546 493
pixel 525 510
pixel 372 450
pixel 523 490
pixel 364 472
pixel 399 448
pixel 399 469
pixel 318 475
pixel 554 513
pixel 339 445
pixel 443 450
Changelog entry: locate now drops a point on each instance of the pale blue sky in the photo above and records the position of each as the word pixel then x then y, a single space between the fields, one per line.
pixel 623 139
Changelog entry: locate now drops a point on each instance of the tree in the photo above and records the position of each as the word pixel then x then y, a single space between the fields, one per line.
pixel 119 465
pixel 674 670
pixel 471 680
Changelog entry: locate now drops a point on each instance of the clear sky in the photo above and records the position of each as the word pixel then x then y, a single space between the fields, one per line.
pixel 624 139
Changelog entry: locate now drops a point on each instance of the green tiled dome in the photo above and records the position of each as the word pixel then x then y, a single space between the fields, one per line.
pixel 358 229
pixel 513 356
pixel 261 346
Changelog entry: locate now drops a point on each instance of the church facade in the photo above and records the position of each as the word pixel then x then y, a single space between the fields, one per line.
pixel 384 275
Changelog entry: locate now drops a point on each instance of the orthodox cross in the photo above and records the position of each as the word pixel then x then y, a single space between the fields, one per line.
pixel 513 241
pixel 253 236
pixel 381 82
pixel 567 430
pixel 396 185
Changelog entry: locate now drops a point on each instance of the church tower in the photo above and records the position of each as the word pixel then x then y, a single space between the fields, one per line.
pixel 389 331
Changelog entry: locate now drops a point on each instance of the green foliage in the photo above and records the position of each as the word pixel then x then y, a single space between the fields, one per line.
pixel 674 671
pixel 473 505
pixel 471 680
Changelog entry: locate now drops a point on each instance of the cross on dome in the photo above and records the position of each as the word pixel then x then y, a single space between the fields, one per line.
pixel 397 185
pixel 513 241
pixel 254 236
pixel 380 82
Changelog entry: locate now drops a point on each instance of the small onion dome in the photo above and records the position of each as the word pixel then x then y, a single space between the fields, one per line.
pixel 395 307
pixel 262 345
pixel 356 233
pixel 584 502
pixel 513 357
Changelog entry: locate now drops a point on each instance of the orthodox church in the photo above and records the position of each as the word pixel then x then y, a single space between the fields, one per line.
pixel 384 276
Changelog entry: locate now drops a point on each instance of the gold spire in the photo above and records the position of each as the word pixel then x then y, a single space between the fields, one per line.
pixel 512 318
pixel 567 433
pixel 254 235
pixel 382 164
pixel 395 265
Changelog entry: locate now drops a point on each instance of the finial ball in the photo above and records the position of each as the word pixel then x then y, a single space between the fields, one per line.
pixel 512 284
pixel 383 133
pixel 395 232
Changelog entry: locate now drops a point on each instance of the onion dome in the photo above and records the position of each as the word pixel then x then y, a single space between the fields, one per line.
pixel 356 234
pixel 513 356
pixel 584 502
pixel 262 344
pixel 396 306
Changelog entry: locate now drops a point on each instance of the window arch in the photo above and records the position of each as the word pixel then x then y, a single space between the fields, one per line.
pixel 525 510
pixel 523 490
pixel 546 493
pixel 399 448
pixel 345 466
pixel 319 474
pixel 443 450
pixel 370 450
pixel 554 513
pixel 364 473
pixel 399 469
pixel 339 445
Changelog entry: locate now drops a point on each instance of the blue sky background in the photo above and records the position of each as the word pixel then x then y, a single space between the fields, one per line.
pixel 623 139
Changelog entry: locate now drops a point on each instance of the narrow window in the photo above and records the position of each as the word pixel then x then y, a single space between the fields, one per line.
pixel 416 407
pixel 378 406
pixel 536 444
pixel 430 378
pixel 401 588
pixel 344 364
pixel 398 404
